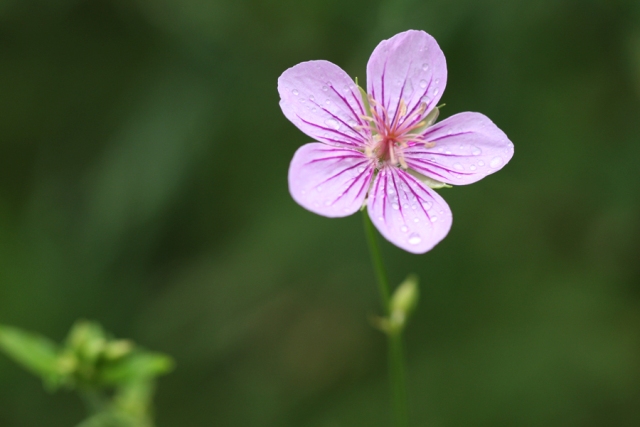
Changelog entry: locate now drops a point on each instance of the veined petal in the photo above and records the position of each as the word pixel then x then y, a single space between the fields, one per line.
pixel 323 102
pixel 329 181
pixel 406 212
pixel 409 66
pixel 468 147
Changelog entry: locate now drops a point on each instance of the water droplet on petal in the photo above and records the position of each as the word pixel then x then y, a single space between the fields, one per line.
pixel 434 218
pixel 395 206
pixel 414 239
pixel 332 123
pixel 416 219
pixel 361 169
pixel 472 167
pixel 476 151
pixel 408 88
pixel 404 229
pixel 425 67
pixel 480 163
pixel 496 162
pixel 295 92
pixel 327 102
pixel 423 83
pixel 427 205
pixel 458 167
pixel 327 202
pixel 312 98
pixel 436 91
pixel 324 88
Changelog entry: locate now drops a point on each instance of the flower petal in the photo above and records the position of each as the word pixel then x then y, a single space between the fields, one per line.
pixel 409 66
pixel 323 102
pixel 468 147
pixel 406 212
pixel 329 181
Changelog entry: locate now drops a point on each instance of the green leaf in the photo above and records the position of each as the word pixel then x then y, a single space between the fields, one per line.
pixel 34 352
pixel 136 366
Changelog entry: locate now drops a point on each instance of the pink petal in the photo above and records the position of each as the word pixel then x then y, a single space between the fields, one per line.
pixel 328 180
pixel 468 148
pixel 407 213
pixel 408 66
pixel 323 102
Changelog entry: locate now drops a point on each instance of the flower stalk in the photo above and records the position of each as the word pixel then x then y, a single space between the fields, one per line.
pixel 394 334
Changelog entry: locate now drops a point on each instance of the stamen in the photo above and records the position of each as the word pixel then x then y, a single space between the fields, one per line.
pixel 403 163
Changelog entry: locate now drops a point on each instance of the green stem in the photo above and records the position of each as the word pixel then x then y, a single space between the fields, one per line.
pixel 394 338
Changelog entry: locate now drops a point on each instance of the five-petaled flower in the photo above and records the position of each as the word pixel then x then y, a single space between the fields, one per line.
pixel 381 147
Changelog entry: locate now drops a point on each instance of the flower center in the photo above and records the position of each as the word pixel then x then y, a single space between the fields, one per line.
pixel 391 135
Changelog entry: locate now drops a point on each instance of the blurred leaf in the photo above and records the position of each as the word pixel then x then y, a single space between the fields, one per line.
pixel 36 353
pixel 137 366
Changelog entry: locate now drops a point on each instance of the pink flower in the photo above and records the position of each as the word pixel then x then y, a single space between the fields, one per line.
pixel 382 148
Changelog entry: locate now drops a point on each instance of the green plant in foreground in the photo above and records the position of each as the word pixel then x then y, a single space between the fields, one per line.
pixel 114 377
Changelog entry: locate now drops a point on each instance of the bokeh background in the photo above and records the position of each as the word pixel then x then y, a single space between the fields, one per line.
pixel 143 164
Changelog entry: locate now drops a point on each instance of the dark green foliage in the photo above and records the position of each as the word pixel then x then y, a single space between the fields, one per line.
pixel 143 164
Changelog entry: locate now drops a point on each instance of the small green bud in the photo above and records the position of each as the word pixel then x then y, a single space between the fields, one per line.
pixel 403 301
pixel 117 349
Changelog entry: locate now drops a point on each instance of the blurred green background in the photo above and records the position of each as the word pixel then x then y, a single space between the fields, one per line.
pixel 143 165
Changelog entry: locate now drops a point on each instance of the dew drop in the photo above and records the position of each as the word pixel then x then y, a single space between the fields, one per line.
pixel 423 83
pixel 295 92
pixel 447 152
pixel 414 206
pixel 414 239
pixel 458 167
pixel 313 110
pixel 437 81
pixel 480 163
pixel 427 205
pixel 408 88
pixel 380 218
pixel 332 123
pixel 434 218
pixel 395 206
pixel 312 98
pixel 425 67
pixel 496 162
pixel 472 167
pixel 327 202
pixel 404 229
pixel 361 169
pixel 436 91
pixel 327 102
pixel 476 151
pixel 416 219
